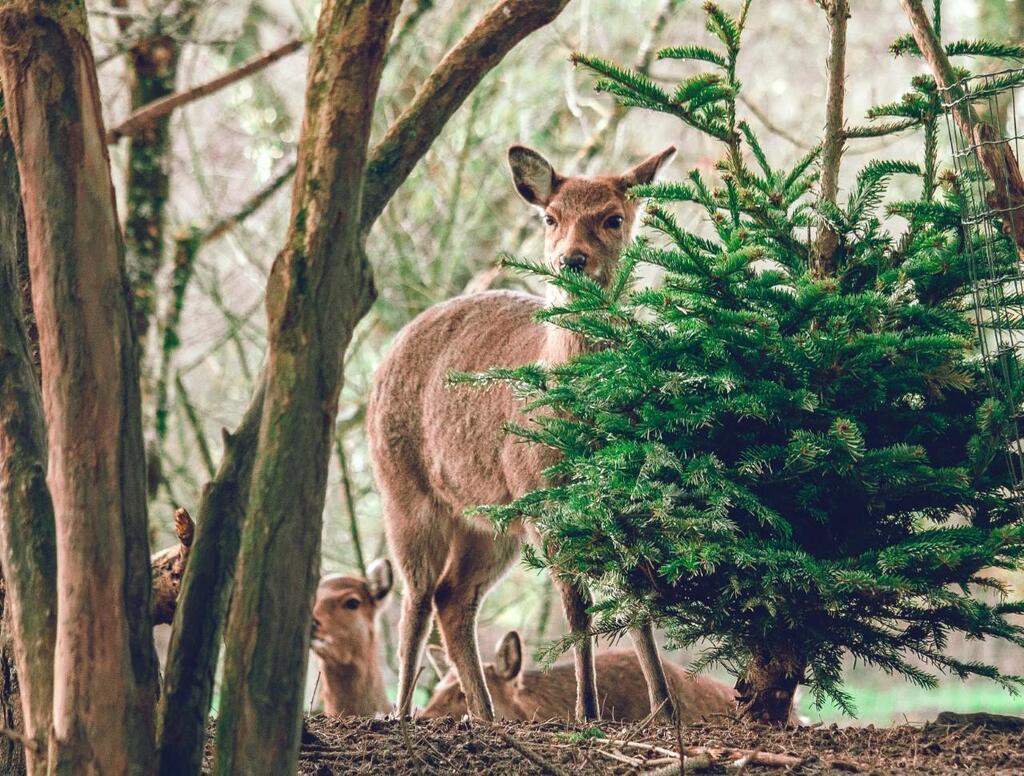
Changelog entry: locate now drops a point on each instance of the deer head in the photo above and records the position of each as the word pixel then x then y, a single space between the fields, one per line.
pixel 502 677
pixel 344 615
pixel 588 220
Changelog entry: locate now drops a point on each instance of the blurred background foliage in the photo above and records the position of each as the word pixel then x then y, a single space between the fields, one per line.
pixel 446 228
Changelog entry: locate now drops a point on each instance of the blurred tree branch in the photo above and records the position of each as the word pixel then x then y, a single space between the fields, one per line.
pixel 645 57
pixel 147 114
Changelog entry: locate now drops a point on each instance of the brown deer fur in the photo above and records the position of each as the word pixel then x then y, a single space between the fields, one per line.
pixel 437 450
pixel 345 641
pixel 542 695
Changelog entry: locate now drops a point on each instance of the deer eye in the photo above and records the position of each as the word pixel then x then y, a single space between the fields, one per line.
pixel 351 603
pixel 613 222
pixel 549 220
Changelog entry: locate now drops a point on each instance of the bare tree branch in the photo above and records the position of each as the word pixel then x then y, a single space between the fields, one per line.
pixel 221 227
pixel 444 91
pixel 147 114
pixel 205 590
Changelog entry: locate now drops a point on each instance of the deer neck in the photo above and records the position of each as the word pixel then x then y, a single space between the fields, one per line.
pixel 354 688
pixel 561 345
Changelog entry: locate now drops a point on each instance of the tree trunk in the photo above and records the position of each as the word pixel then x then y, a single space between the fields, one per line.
pixel 104 661
pixel 765 692
pixel 12 752
pixel 27 541
pixel 153 69
pixel 319 287
pixel 205 592
pixel 835 139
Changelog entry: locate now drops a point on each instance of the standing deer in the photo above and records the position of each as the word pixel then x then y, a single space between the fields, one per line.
pixel 345 640
pixel 551 694
pixel 437 451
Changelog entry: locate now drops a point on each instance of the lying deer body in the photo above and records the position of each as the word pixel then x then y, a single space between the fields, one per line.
pixel 438 450
pixel 345 640
pixel 543 695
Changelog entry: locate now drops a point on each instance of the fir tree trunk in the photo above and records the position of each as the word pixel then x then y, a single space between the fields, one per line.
pixel 104 661
pixel 766 690
pixel 319 287
pixel 832 147
pixel 27 541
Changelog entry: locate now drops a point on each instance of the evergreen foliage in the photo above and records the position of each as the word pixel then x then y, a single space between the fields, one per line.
pixel 762 460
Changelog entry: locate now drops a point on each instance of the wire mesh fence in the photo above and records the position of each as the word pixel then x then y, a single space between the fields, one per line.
pixel 985 135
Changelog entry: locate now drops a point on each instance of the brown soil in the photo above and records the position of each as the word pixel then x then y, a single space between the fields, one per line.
pixel 384 746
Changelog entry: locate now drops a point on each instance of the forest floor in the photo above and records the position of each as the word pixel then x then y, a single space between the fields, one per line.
pixel 333 747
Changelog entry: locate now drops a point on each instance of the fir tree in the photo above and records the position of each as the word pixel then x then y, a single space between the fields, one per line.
pixel 782 468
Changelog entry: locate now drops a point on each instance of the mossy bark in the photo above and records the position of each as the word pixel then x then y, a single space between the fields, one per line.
pixel 319 287
pixel 12 752
pixel 105 669
pixel 205 591
pixel 27 540
pixel 153 69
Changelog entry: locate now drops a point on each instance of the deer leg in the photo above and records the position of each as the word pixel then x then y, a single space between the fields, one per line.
pixel 576 603
pixel 412 633
pixel 653 671
pixel 477 560
pixel 418 537
pixel 456 619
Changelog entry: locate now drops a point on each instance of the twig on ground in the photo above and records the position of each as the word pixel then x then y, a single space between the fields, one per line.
pixel 634 761
pixel 714 754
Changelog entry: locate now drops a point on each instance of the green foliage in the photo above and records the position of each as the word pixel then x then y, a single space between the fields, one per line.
pixel 761 459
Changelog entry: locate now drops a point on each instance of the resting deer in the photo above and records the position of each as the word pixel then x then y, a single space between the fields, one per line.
pixel 437 451
pixel 543 695
pixel 345 641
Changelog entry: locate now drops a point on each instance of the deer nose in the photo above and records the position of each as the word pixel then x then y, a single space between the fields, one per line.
pixel 316 626
pixel 574 261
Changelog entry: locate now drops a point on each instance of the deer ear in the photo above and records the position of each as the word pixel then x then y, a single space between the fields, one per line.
pixel 508 659
pixel 379 578
pixel 438 660
pixel 647 170
pixel 535 178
